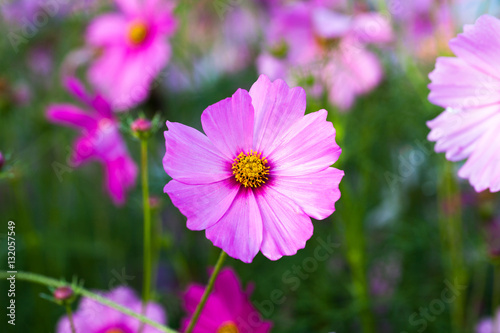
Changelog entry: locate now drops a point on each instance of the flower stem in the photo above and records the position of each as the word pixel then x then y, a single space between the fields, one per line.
pixel 70 317
pixel 496 289
pixel 146 286
pixel 40 279
pixel 450 222
pixel 207 292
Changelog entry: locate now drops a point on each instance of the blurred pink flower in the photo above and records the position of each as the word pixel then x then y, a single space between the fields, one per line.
pixel 313 43
pixel 2 160
pixel 133 49
pixel 468 86
pixel 100 139
pixel 259 174
pixel 94 317
pixel 489 325
pixel 426 26
pixel 228 308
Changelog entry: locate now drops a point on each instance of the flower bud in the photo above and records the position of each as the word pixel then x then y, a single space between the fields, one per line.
pixel 63 293
pixel 141 128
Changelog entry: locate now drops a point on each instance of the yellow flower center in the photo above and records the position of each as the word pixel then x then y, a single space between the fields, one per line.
pixel 250 169
pixel 114 330
pixel 137 32
pixel 228 327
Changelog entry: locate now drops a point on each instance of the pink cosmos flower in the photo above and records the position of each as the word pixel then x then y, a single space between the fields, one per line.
pixel 100 139
pixel 228 308
pixel 259 174
pixel 134 49
pixel 314 43
pixel 468 86
pixel 94 317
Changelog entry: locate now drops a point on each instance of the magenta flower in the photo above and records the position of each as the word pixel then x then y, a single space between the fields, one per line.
pixel 228 308
pixel 313 43
pixel 94 317
pixel 259 174
pixel 100 139
pixel 134 49
pixel 468 86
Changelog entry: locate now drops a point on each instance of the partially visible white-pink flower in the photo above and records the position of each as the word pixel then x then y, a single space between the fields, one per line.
pixel 133 49
pixel 468 86
pixel 313 44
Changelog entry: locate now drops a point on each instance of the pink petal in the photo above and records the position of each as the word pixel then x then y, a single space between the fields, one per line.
pixel 120 176
pixel 67 114
pixel 105 70
pixel 271 66
pixel 78 90
pixel 107 29
pixel 457 84
pixel 372 28
pixel 329 24
pixel 203 205
pixel 83 151
pixel 229 290
pixel 229 124
pixel 315 194
pixel 479 45
pixel 130 7
pixel 483 166
pixel 239 231
pixel 276 107
pixel 191 158
pixel 457 133
pixel 133 84
pixel 214 314
pixel 308 147
pixel 286 227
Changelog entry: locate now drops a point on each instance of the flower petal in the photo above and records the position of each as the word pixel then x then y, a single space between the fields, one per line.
pixel 120 176
pixel 457 84
pixel 286 228
pixel 191 158
pixel 308 147
pixel 70 115
pixel 457 133
pixel 315 193
pixel 479 45
pixel 276 107
pixel 228 289
pixel 239 231
pixel 107 29
pixel 203 205
pixel 483 166
pixel 229 124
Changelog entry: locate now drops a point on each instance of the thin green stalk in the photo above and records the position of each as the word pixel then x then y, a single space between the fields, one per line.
pixel 43 280
pixel 146 286
pixel 70 317
pixel 207 292
pixel 451 241
pixel 495 303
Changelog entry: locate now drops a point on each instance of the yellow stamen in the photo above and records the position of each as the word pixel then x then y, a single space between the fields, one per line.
pixel 250 169
pixel 228 327
pixel 137 32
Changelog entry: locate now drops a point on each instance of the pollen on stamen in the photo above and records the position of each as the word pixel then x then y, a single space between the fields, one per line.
pixel 251 169
pixel 137 32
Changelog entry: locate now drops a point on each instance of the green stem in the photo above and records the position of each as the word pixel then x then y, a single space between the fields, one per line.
pixel 207 292
pixel 495 303
pixel 451 240
pixel 43 280
pixel 146 286
pixel 70 318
